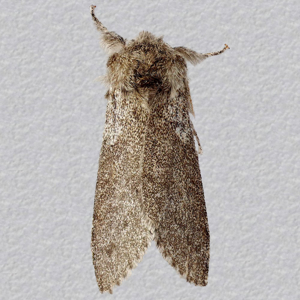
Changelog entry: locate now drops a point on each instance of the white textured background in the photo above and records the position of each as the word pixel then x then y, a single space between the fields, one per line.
pixel 247 117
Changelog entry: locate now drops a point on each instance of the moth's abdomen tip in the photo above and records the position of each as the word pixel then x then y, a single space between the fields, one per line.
pixel 92 7
pixel 226 46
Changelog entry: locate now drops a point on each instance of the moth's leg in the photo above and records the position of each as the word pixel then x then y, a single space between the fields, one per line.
pixel 218 52
pixel 197 138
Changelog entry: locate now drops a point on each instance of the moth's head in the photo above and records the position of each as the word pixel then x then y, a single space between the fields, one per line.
pixel 147 63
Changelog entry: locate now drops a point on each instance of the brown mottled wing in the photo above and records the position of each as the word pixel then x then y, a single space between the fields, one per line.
pixel 121 233
pixel 172 189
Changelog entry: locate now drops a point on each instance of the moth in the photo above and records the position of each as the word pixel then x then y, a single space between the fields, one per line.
pixel 149 185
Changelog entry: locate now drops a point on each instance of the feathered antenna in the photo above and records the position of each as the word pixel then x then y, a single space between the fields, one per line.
pixel 111 41
pixel 194 57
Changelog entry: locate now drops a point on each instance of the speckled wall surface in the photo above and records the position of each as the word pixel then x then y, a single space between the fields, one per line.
pixel 247 117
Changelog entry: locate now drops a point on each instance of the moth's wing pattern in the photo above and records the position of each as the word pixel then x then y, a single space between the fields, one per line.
pixel 121 232
pixel 172 188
